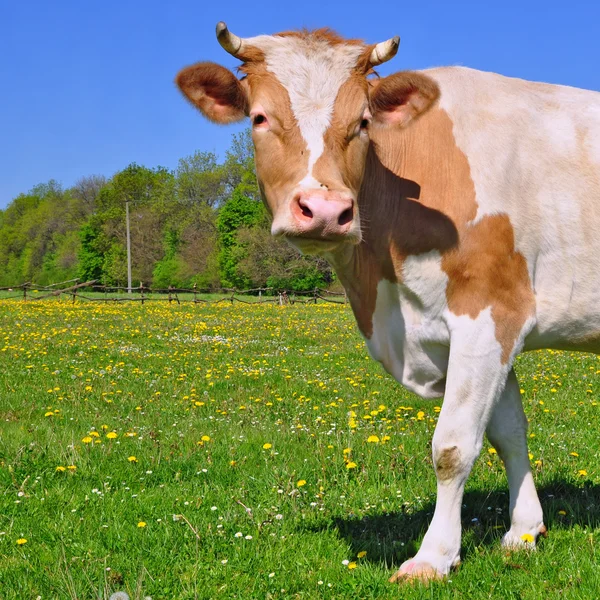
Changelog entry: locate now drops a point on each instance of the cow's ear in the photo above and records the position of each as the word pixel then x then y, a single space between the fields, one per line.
pixel 402 97
pixel 216 91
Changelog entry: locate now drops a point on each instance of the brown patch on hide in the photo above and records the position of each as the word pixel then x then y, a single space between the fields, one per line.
pixel 343 159
pixel 486 271
pixel 417 196
pixel 324 34
pixel 448 464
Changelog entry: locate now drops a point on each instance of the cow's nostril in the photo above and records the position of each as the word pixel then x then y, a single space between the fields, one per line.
pixel 306 211
pixel 346 217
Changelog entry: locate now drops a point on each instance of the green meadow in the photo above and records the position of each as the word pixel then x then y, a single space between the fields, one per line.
pixel 238 451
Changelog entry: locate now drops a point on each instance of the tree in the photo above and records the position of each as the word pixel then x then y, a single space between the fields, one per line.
pixel 152 203
pixel 86 189
pixel 239 165
pixel 94 246
pixel 198 247
pixel 202 224
pixel 201 180
pixel 275 263
pixel 239 211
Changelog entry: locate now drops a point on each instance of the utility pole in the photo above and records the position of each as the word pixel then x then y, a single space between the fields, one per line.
pixel 128 247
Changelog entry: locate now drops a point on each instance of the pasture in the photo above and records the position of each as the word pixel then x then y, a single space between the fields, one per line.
pixel 217 451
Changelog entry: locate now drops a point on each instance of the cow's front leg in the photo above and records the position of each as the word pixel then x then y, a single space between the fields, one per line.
pixel 476 378
pixel 507 431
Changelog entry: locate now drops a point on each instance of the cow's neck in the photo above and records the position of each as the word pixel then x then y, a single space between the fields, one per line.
pixel 417 195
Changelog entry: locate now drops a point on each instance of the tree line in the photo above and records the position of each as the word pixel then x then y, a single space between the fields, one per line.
pixel 203 224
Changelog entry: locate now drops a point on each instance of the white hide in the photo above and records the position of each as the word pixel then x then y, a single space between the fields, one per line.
pixel 409 336
pixel 507 431
pixel 312 71
pixel 534 154
pixel 476 378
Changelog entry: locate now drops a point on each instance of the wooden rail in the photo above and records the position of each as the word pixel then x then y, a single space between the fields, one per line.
pixel 143 294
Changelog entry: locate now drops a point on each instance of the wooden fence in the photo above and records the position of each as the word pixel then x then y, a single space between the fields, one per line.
pixel 31 292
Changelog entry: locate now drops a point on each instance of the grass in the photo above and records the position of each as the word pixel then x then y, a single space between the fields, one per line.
pixel 265 453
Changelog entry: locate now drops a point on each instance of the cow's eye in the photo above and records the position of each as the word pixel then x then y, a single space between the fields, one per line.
pixel 259 120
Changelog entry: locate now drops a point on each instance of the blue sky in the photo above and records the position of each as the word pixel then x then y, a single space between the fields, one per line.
pixel 87 86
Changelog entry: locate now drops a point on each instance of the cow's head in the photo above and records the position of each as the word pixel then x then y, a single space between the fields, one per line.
pixel 311 107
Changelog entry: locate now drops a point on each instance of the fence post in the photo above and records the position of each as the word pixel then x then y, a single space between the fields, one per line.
pixel 24 292
pixel 195 293
pixel 170 299
pixel 315 295
pixel 232 295
pixel 345 297
pixel 280 299
pixel 74 295
pixel 142 291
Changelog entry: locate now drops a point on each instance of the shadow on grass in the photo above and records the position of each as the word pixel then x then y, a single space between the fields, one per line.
pixel 391 538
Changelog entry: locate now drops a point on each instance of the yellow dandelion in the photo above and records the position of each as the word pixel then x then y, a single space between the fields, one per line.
pixel 87 439
pixel 562 513
pixel 111 435
pixel 347 450
pixel 373 439
pixel 205 438
pixel 573 454
pixel 492 451
pixel 132 459
pixel 267 446
pixel 527 538
pixel 142 524
pixel 49 414
pixel 352 565
pixel 72 467
pixel 362 554
pixel 420 415
pixel 60 469
pixel 232 463
pixel 94 434
pixel 301 482
pixel 351 465
pixel 21 541
pixel 582 472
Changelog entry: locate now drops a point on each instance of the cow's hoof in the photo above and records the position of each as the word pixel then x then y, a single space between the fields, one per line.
pixel 525 541
pixel 416 570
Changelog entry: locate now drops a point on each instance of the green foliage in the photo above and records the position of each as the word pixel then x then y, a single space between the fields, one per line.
pixel 239 211
pixel 169 271
pixel 114 266
pixel 91 254
pixel 201 180
pixel 302 279
pixel 204 223
pixel 171 268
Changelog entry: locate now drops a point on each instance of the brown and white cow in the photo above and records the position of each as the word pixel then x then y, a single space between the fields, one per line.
pixel 461 211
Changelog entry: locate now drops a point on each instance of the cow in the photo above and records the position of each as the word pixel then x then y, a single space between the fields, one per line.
pixel 460 210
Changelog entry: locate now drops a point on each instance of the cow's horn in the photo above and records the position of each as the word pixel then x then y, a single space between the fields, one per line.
pixel 384 51
pixel 231 42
